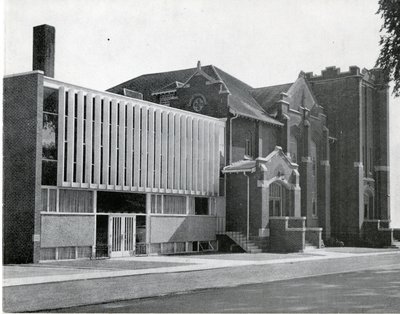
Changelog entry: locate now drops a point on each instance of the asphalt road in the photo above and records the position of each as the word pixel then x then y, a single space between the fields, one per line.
pixel 376 290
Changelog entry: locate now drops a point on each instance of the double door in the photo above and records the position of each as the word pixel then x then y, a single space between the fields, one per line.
pixel 122 235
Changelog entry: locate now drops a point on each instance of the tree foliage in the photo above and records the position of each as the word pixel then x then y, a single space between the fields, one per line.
pixel 389 58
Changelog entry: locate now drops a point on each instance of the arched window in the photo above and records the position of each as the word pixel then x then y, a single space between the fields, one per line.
pixel 275 199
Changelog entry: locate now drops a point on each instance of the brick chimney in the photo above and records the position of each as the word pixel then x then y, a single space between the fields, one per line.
pixel 44 49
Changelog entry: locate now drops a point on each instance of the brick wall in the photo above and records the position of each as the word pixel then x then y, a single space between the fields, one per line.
pixel 341 100
pixel 285 239
pixel 236 202
pixel 216 103
pixel 22 114
pixel 269 139
pixel 375 233
pixel 396 234
pixel 314 236
pixel 242 129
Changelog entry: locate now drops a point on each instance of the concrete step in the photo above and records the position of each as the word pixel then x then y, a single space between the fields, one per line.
pixel 241 240
pixel 395 244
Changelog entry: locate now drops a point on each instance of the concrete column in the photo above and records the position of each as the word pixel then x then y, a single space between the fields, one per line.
pixel 297 201
pixel 129 145
pixel 264 230
pixel 121 157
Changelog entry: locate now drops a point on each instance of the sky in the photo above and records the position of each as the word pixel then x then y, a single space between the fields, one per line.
pixel 101 43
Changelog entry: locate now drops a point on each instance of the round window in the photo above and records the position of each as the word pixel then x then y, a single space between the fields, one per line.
pixel 198 103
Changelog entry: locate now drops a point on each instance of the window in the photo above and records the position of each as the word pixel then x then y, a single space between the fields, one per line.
pixel 49 136
pixel 156 204
pixel 49 172
pixel 174 205
pixel 314 207
pixel 116 202
pixel 50 100
pixel 69 201
pixel 168 204
pixel 75 201
pixel 201 206
pixel 275 199
pixel 248 149
pixel 198 102
pixel 314 157
pixel 49 200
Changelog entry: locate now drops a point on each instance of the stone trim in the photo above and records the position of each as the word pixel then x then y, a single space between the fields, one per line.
pixel 382 168
pixel 287 218
pixel 306 159
pixel 24 73
pixel 267 183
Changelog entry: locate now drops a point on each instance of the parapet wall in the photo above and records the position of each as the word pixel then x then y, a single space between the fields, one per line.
pixel 375 76
pixel 284 238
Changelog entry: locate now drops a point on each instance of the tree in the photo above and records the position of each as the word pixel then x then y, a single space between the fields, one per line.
pixel 389 57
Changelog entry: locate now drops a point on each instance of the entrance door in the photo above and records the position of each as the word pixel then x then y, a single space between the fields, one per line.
pixel 122 235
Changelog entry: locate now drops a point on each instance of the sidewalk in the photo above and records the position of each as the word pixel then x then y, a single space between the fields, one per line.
pixel 17 275
pixel 181 274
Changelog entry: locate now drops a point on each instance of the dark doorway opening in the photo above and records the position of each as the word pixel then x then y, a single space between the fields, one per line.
pixel 141 235
pixel 101 236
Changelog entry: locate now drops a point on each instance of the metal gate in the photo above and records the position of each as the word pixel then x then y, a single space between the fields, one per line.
pixel 122 235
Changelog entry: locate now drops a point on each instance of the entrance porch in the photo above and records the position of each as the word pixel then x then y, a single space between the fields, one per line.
pixel 263 205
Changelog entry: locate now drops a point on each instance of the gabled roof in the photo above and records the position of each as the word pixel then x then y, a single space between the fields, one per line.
pixel 278 151
pixel 301 95
pixel 247 165
pixel 269 95
pixel 149 83
pixel 241 166
pixel 240 100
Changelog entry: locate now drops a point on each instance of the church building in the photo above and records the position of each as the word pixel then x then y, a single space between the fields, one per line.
pixel 191 160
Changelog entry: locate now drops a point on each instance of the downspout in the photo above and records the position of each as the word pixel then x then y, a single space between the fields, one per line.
pixel 248 205
pixel 230 137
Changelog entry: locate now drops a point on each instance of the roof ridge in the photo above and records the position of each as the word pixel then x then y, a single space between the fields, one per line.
pixel 273 85
pixel 152 74
pixel 233 77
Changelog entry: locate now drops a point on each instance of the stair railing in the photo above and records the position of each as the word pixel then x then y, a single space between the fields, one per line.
pixel 234 229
